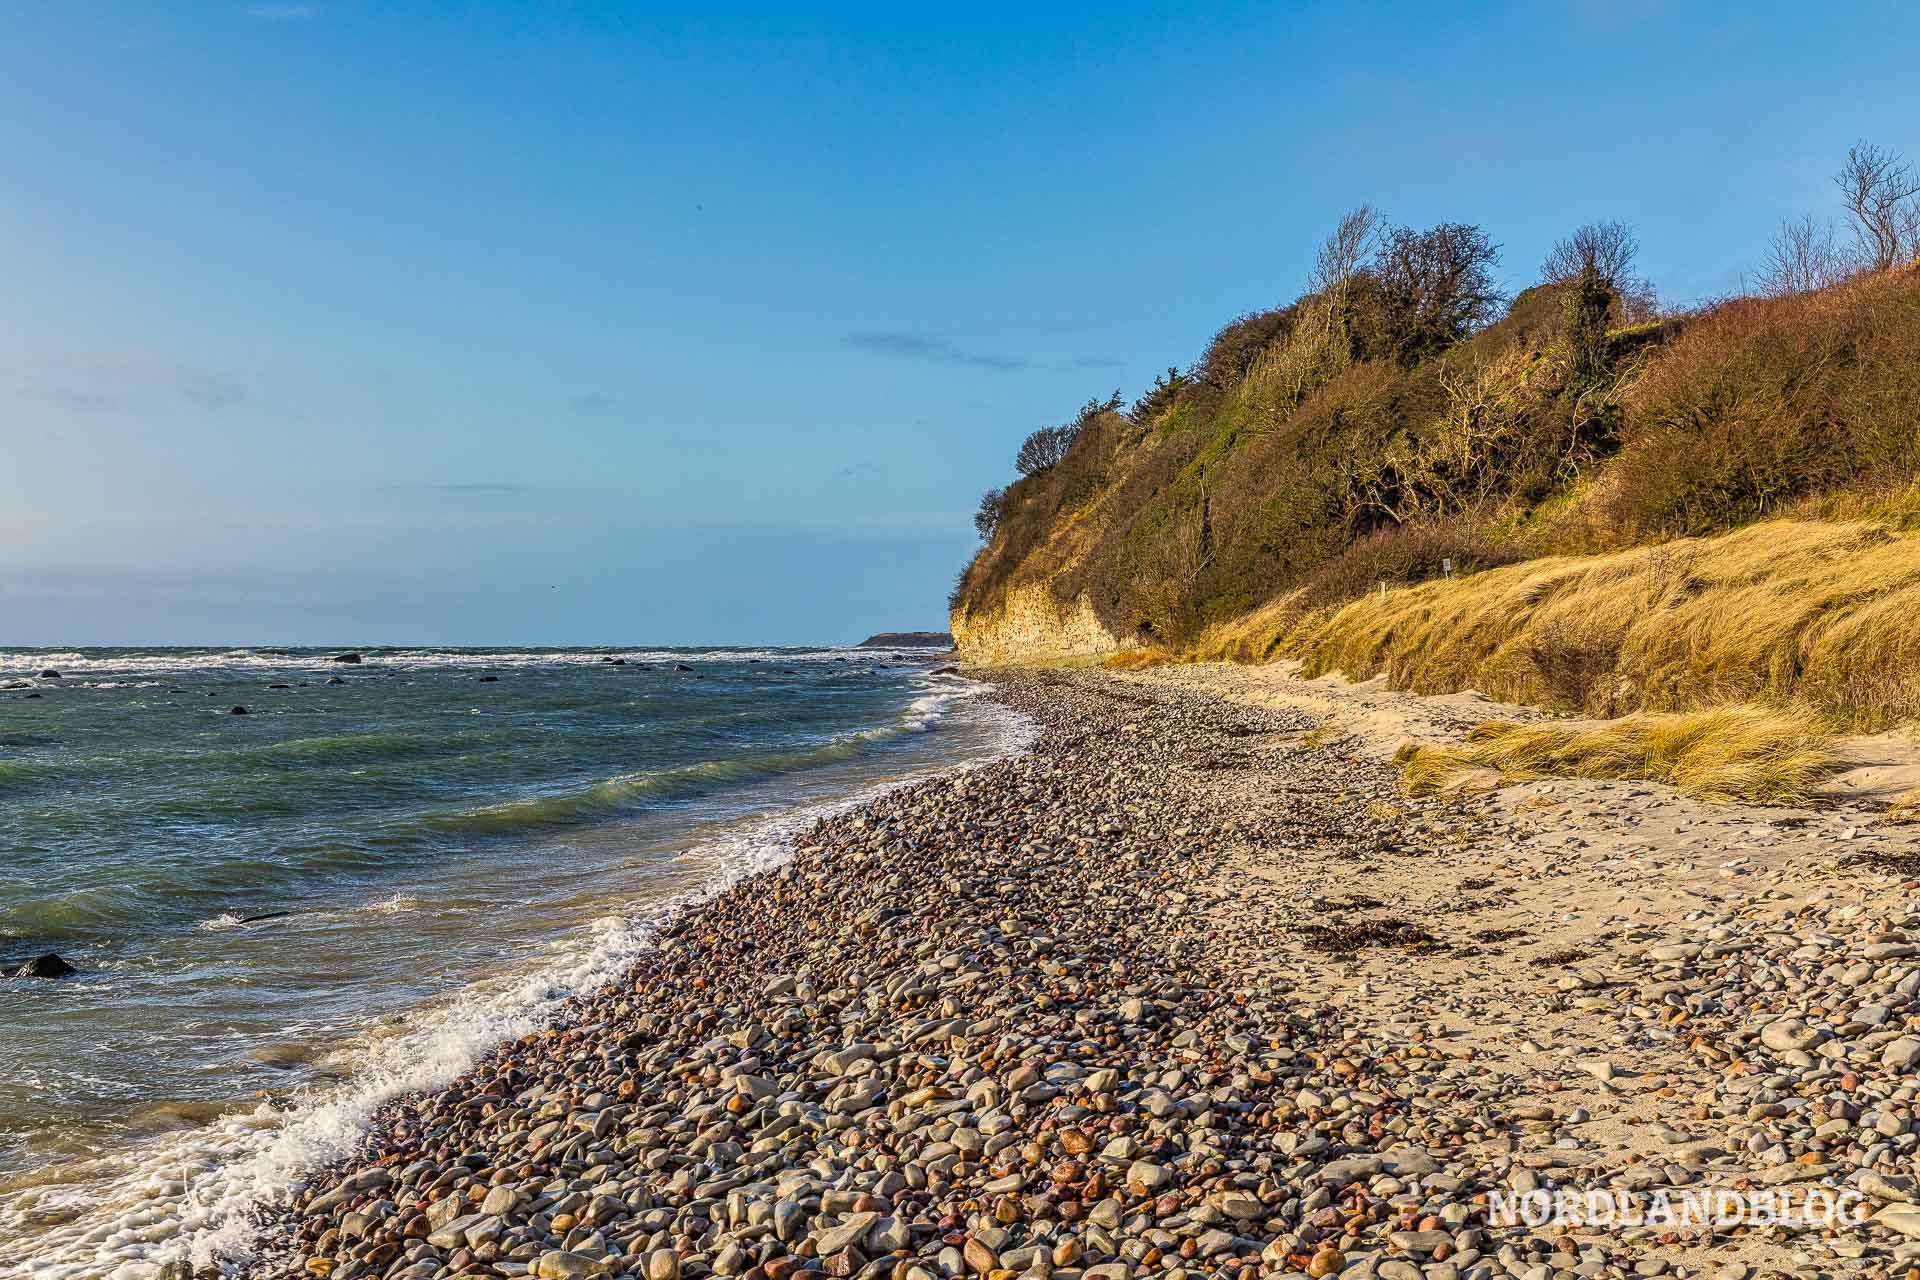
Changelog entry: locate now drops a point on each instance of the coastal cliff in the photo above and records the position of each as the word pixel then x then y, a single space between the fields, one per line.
pixel 1357 478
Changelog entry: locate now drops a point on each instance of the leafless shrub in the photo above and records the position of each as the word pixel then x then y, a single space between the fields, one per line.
pixel 1882 199
pixel 1804 255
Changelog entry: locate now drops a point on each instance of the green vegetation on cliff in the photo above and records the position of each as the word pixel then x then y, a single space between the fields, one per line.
pixel 1400 420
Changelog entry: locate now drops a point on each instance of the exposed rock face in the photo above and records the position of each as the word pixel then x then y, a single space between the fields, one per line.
pixel 1031 626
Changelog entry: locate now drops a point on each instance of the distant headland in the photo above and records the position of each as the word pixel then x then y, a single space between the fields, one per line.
pixel 908 640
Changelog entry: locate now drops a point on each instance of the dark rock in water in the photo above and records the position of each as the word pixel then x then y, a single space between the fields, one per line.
pixel 681 666
pixel 335 680
pixel 945 671
pixel 489 679
pixel 238 711
pixel 33 695
pixel 279 686
pixel 267 915
pixel 751 661
pixel 49 674
pixel 909 640
pixel 618 662
pixel 46 966
pixel 352 659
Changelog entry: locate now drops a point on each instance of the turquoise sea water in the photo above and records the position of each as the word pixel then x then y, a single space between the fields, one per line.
pixel 356 886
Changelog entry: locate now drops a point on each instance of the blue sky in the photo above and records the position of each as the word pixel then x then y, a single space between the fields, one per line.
pixel 566 323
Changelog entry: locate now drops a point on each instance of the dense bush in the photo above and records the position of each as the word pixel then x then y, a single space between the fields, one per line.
pixel 1765 401
pixel 1401 556
pixel 1235 348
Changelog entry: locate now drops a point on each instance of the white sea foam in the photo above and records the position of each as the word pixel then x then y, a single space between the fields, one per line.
pixel 194 1194
pixel 252 661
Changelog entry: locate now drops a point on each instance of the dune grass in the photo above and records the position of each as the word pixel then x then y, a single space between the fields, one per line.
pixel 1787 613
pixel 1737 752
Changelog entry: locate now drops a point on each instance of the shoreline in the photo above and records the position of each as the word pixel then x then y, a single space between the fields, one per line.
pixel 124 1204
pixel 1115 1007
pixel 812 1043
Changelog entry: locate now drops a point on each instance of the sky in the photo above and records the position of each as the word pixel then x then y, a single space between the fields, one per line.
pixel 567 323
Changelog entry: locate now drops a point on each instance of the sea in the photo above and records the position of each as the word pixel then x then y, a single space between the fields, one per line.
pixel 280 918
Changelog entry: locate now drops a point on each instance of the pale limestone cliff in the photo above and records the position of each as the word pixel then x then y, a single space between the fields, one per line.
pixel 1031 627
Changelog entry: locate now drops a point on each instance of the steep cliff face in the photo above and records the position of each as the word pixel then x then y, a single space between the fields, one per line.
pixel 1028 625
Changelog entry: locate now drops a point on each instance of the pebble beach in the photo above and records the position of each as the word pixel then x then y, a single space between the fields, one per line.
pixel 1187 988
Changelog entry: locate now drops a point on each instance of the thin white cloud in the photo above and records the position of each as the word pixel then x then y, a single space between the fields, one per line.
pixel 128 380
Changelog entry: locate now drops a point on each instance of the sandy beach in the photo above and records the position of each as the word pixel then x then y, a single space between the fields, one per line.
pixel 1189 988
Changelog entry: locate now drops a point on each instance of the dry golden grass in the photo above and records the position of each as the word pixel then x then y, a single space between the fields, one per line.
pixel 1740 752
pixel 1137 659
pixel 1825 616
pixel 1252 637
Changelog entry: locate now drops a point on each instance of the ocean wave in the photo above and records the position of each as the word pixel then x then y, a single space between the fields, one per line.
pixel 151 892
pixel 330 748
pixel 15 771
pixel 613 796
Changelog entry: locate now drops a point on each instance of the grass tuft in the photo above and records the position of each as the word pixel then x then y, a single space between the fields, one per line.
pixel 1729 753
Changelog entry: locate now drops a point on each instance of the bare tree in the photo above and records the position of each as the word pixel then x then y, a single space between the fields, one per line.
pixel 1879 191
pixel 993 505
pixel 1608 249
pixel 1437 286
pixel 1350 244
pixel 1803 255
pixel 1043 450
